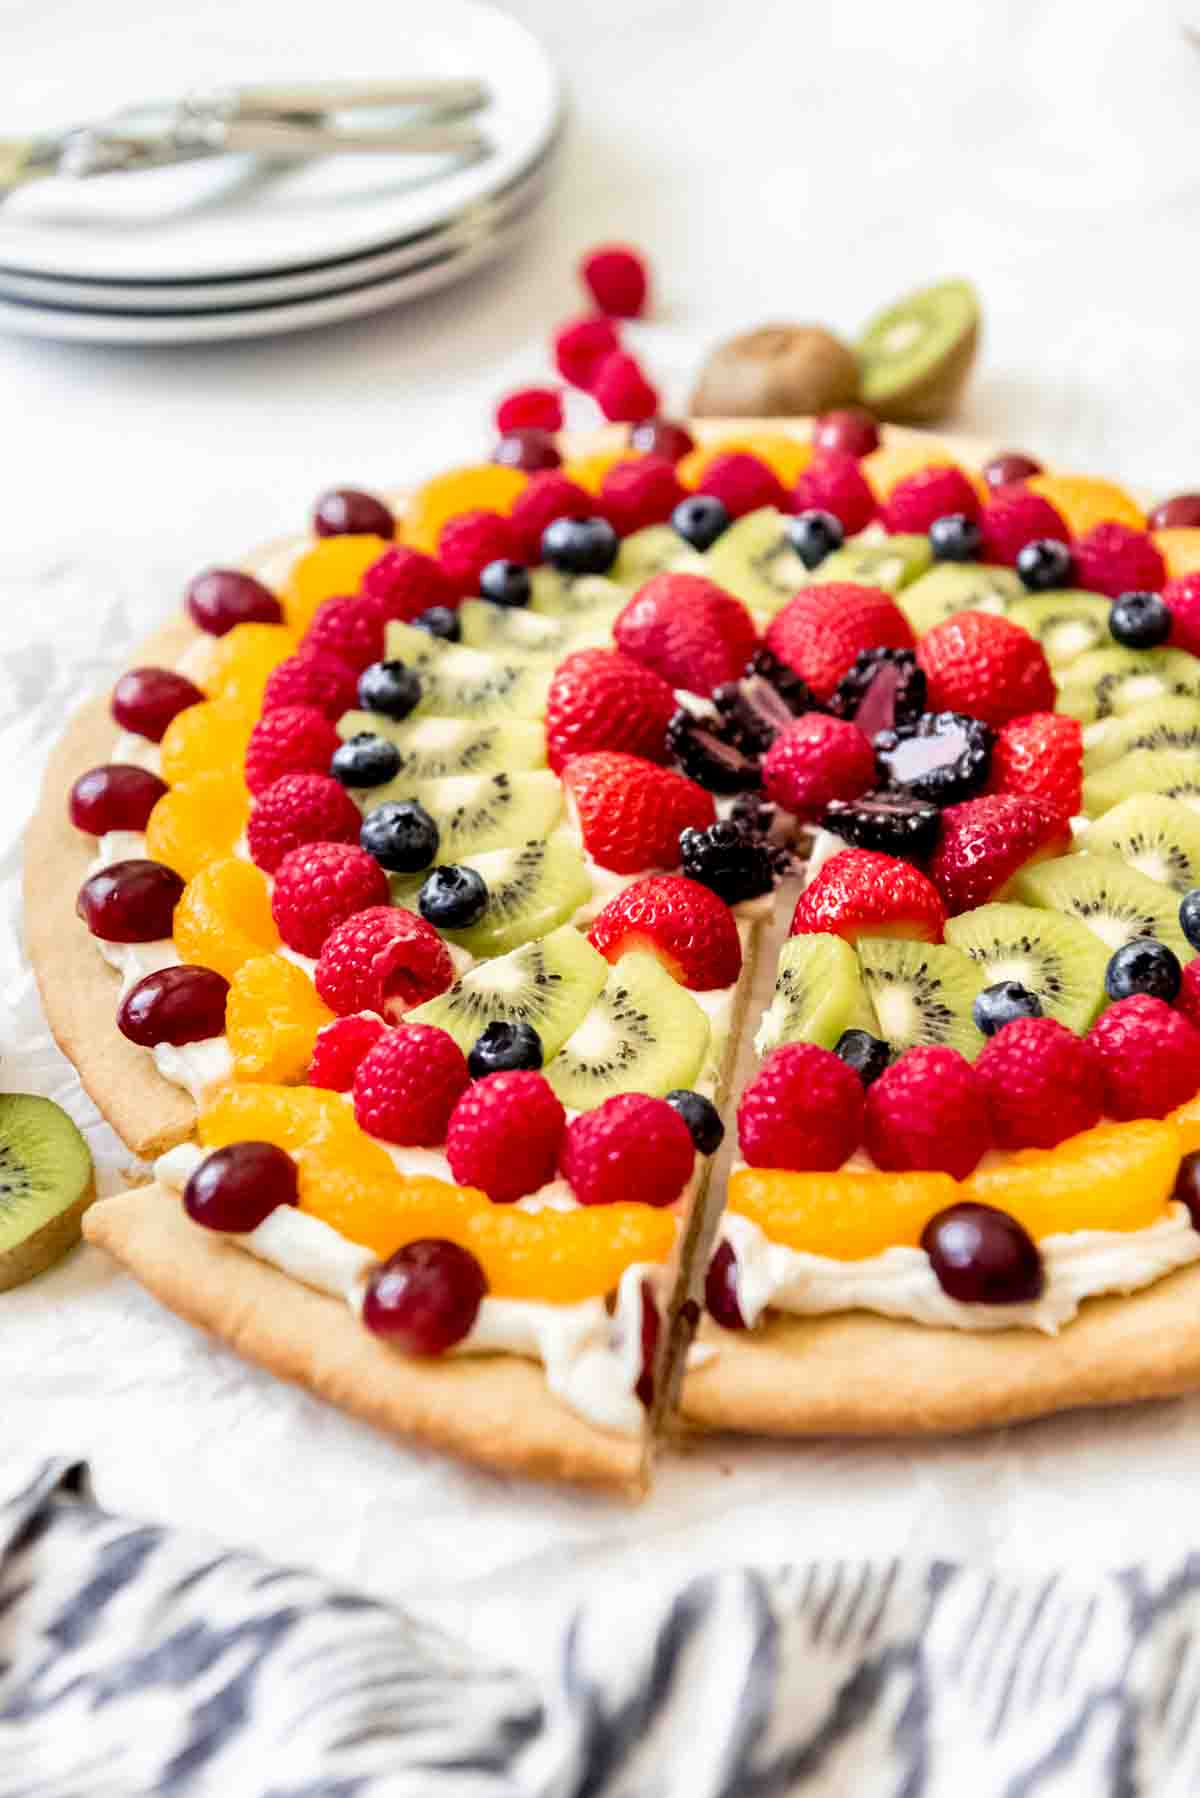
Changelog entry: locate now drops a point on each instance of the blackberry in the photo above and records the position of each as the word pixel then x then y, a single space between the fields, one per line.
pixel 708 757
pixel 893 823
pixel 884 690
pixel 752 813
pixel 763 702
pixel 731 861
pixel 944 757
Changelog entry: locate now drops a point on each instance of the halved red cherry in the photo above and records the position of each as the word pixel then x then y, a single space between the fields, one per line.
pixel 650 1328
pixel 425 1297
pixel 1181 513
pixel 146 699
pixel 219 598
pixel 235 1188
pixel 850 431
pixel 982 1256
pixel 661 437
pixel 174 1005
pixel 130 902
pixel 348 512
pixel 1008 468
pixel 527 448
pixel 118 796
pixel 720 1289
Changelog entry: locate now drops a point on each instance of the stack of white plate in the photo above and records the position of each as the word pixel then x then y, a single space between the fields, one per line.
pixel 234 247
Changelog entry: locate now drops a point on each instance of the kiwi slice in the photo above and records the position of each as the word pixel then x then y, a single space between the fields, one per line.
pixel 754 559
pixel 1162 724
pixel 776 371
pixel 1106 894
pixel 1067 624
pixel 958 587
pixel 1174 773
pixel 557 595
pixel 1160 837
pixel 818 994
pixel 654 550
pixel 459 682
pixel 1051 954
pixel 915 355
pixel 1116 680
pixel 889 562
pixel 921 993
pixel 549 983
pixel 432 748
pixel 531 890
pixel 475 812
pixel 643 1034
pixel 45 1186
pixel 502 630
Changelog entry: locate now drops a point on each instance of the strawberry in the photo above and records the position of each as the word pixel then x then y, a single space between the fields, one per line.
pixel 630 812
pixel 987 667
pixel 1040 755
pixel 1113 559
pixel 601 699
pixel 688 630
pixel 684 924
pixel 859 892
pixel 820 633
pixel 986 841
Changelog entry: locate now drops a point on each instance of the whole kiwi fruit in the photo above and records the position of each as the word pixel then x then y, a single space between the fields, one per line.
pixel 776 371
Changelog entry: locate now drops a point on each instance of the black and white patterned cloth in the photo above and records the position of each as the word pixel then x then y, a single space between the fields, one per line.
pixel 135 1660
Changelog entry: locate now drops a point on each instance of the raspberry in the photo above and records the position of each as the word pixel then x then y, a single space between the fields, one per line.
pixel 621 390
pixel 601 699
pixel 821 632
pixel 617 280
pixel 383 959
pixel 406 583
pixel 1188 999
pixel 1042 1083
pixel 1113 559
pixel 814 760
pixel 642 491
pixel 340 1047
pixel 803 1110
pixel 684 924
pixel 862 892
pixel 407 1086
pixel 313 678
pixel 318 886
pixel 580 346
pixel 742 483
pixel 294 739
pixel 631 1147
pixel 1041 757
pixel 689 630
pixel 986 841
pixel 352 629
pixel 300 808
pixel 547 497
pixel 467 543
pixel 914 502
pixel 985 666
pixel 928 1110
pixel 1014 517
pixel 530 408
pixel 834 482
pixel 504 1135
pixel 1149 1055
pixel 1183 599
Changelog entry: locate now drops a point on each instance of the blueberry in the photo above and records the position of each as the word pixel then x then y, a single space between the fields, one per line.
pixel 699 520
pixel 866 1054
pixel 453 897
pixel 701 1117
pixel 388 687
pixel 704 751
pixel 1045 563
pixel 1140 620
pixel 1189 917
pixel 365 760
pixel 506 583
pixel 503 1047
pixel 1002 1004
pixel 580 545
pixel 1143 966
pixel 401 836
pixel 955 538
pixel 440 621
pixel 814 535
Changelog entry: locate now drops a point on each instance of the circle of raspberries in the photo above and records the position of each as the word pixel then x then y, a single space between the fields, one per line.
pixel 405 582
pixel 1149 1056
pixel 928 1111
pixel 293 739
pixel 803 1109
pixel 319 886
pixel 383 959
pixel 632 1146
pixel 504 1135
pixel 1042 1083
pixel 353 628
pixel 312 677
pixel 407 1086
pixel 340 1047
pixel 300 808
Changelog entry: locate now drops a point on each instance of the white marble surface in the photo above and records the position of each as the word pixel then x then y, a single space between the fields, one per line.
pixel 776 160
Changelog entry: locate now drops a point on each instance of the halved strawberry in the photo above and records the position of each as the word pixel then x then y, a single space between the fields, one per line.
pixel 688 630
pixel 601 699
pixel 630 812
pixel 987 667
pixel 822 630
pixel 1041 756
pixel 859 892
pixel 684 924
pixel 986 841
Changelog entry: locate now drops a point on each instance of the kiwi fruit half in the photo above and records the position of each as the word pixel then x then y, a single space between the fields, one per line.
pixel 818 994
pixel 474 812
pixel 656 549
pixel 889 562
pixel 1052 955
pixel 643 1034
pixel 558 595
pixel 951 587
pixel 1160 837
pixel 1066 624
pixel 1106 894
pixel 549 983
pixel 916 354
pixel 1162 724
pixel 508 630
pixel 921 993
pixel 432 748
pixel 776 371
pixel 531 890
pixel 459 682
pixel 45 1186
pixel 1108 682
pixel 754 560
pixel 1175 773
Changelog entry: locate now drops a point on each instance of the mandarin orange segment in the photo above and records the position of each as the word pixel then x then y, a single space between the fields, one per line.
pixel 332 567
pixel 1085 500
pixel 482 487
pixel 1187 1121
pixel 383 1209
pixel 224 917
pixel 206 739
pixel 197 822
pixel 1115 1177
pixel 272 1016
pixel 1180 550
pixel 564 1256
pixel 893 462
pixel 295 1118
pixel 244 658
pixel 846 1215
pixel 589 471
pixel 787 456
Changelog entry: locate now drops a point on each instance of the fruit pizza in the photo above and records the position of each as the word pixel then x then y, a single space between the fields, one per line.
pixel 402 904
